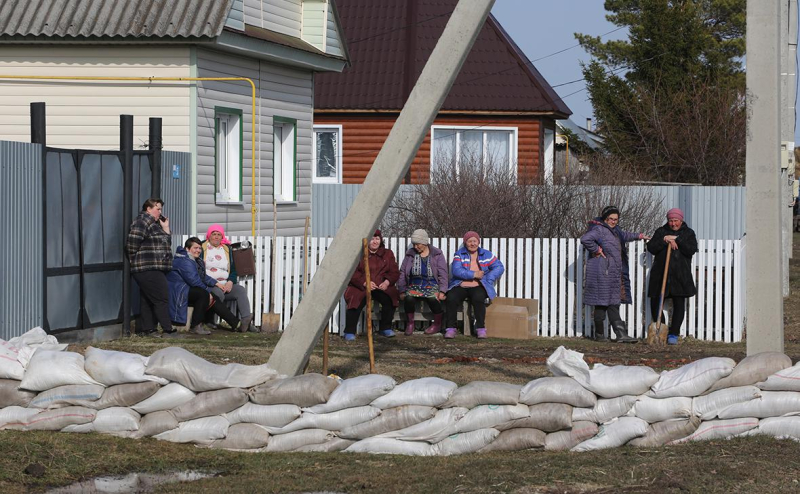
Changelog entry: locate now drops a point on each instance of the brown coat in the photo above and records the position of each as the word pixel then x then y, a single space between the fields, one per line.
pixel 382 266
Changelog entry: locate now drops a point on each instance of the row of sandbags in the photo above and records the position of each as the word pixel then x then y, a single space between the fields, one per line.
pixel 176 396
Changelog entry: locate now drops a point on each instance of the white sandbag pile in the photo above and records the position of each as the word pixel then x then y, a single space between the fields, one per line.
pixel 176 396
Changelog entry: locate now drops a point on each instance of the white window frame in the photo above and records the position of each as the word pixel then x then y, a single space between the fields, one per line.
pixel 284 159
pixel 228 165
pixel 513 144
pixel 339 170
pixel 549 153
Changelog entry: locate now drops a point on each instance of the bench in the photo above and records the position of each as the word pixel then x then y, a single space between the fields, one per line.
pixel 424 314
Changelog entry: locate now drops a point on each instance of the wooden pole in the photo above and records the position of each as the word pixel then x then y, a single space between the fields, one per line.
pixel 365 242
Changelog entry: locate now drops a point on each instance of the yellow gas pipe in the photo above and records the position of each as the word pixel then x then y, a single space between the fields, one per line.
pixel 174 79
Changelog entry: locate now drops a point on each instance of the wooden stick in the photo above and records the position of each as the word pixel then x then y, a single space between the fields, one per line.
pixel 664 286
pixel 365 242
pixel 305 256
pixel 325 338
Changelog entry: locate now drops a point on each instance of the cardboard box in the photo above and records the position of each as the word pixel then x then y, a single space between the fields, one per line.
pixel 508 321
pixel 530 304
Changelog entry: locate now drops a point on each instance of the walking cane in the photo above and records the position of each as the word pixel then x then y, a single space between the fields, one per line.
pixel 655 332
pixel 369 307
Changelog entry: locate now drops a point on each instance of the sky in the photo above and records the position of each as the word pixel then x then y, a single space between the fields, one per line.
pixel 543 27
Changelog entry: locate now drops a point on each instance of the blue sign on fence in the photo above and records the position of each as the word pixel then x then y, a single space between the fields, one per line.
pixel 176 171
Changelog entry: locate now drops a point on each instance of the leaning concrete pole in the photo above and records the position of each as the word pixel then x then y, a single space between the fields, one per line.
pixel 380 186
pixel 764 201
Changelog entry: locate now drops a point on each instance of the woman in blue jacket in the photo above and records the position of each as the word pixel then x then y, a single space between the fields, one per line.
pixel 189 284
pixel 474 273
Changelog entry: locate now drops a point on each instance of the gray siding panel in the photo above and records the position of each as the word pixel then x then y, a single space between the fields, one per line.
pixel 333 45
pixel 177 192
pixel 282 91
pixel 236 16
pixel 21 274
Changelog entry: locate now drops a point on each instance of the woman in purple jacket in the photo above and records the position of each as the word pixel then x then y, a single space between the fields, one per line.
pixel 423 276
pixel 605 272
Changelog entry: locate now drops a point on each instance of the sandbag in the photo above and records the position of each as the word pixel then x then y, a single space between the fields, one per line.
pixel 485 416
pixel 605 381
pixel 355 392
pixel 565 440
pixel 389 446
pixel 434 430
pixel 11 395
pixel 391 419
pixel 182 366
pixel 770 404
pixel 50 369
pixel 753 369
pixel 484 393
pixel 516 440
pixel 123 395
pixel 615 434
pixel 654 410
pixel 584 415
pixel 37 338
pixel 333 421
pixel 465 442
pixel 692 379
pixel 707 407
pixel 661 433
pixel 266 415
pixel 155 423
pixel 783 380
pixel 720 429
pixel 170 396
pixel 74 394
pixel 605 410
pixel 115 420
pixel 330 446
pixel 10 366
pixel 81 428
pixel 15 417
pixel 305 390
pixel 243 436
pixel 427 391
pixel 298 439
pixel 547 417
pixel 557 390
pixel 210 403
pixel 779 427
pixel 201 431
pixel 57 419
pixel 110 367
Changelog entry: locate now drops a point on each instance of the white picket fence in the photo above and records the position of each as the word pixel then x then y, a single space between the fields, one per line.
pixel 548 270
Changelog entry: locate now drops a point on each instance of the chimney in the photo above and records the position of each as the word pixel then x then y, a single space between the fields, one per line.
pixel 589 124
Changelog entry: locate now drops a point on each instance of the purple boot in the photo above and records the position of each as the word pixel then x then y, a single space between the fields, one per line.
pixel 436 327
pixel 409 324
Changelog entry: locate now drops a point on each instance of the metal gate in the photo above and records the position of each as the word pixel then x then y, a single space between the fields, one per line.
pixel 84 238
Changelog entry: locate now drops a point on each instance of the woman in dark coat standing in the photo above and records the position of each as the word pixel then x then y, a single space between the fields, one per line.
pixel 607 285
pixel 680 283
pixel 383 273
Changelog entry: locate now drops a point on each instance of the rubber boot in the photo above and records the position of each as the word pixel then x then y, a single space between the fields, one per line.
pixel 622 333
pixel 598 334
pixel 436 327
pixel 409 324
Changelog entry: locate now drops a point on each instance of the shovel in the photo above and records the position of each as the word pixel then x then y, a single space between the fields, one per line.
pixel 657 331
pixel 271 322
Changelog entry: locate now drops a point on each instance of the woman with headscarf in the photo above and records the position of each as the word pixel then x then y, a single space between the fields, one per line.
pixel 607 284
pixel 680 283
pixel 220 266
pixel 383 275
pixel 423 277
pixel 474 273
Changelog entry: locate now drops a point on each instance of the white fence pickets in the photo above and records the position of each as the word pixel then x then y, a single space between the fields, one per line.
pixel 549 270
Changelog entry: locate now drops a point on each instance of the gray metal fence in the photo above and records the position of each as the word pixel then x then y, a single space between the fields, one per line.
pixel 22 262
pixel 714 213
pixel 176 190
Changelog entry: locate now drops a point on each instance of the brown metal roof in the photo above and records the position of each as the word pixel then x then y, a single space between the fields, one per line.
pixel 109 18
pixel 389 42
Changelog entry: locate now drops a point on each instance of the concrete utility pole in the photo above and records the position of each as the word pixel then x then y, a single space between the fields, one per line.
pixel 764 201
pixel 380 186
pixel 787 129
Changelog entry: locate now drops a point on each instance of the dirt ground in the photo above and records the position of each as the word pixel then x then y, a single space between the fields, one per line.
pixel 744 465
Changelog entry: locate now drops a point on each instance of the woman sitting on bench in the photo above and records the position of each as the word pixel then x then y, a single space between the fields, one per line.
pixel 423 276
pixel 474 273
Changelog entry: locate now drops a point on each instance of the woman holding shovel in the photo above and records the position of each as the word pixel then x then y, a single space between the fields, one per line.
pixel 607 281
pixel 676 240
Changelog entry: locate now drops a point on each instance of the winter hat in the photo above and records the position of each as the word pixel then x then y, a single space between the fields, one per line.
pixel 471 234
pixel 608 211
pixel 377 234
pixel 216 227
pixel 420 236
pixel 675 213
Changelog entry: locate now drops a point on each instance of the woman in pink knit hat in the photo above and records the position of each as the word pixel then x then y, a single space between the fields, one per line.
pixel 680 283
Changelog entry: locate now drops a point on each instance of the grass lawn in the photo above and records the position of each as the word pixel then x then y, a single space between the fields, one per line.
pixel 743 465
